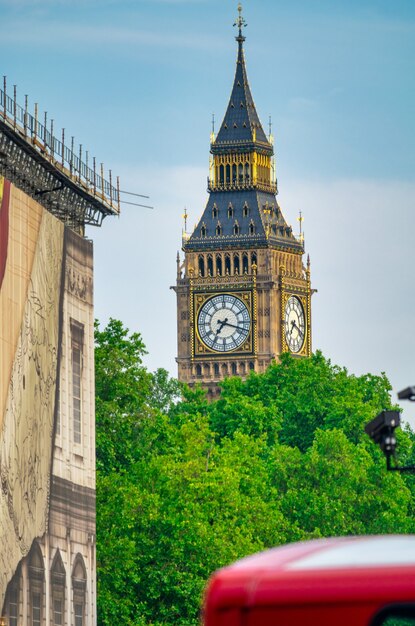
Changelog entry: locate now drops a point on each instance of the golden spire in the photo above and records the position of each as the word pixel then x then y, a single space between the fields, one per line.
pixel 301 219
pixel 240 22
pixel 185 216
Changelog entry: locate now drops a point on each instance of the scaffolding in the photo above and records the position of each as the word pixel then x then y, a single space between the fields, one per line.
pixel 50 171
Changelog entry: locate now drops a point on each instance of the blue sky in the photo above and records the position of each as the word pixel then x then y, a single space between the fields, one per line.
pixel 136 82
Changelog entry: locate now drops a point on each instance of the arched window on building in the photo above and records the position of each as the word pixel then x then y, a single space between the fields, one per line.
pixel 218 229
pixel 236 266
pixel 219 265
pixel 79 590
pixel 201 265
pixel 198 370
pixel 234 179
pixel 254 259
pixel 247 176
pixel 13 600
pixel 245 210
pixel 240 173
pixel 36 571
pixel 230 210
pixel 210 265
pixel 236 229
pixel 252 228
pixel 221 174
pixel 227 264
pixel 58 582
pixel 245 263
pixel 216 369
pixel 203 231
pixel 228 174
pixel 234 369
pixel 251 365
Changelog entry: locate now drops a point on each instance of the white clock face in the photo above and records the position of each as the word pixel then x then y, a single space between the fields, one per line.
pixel 294 324
pixel 224 323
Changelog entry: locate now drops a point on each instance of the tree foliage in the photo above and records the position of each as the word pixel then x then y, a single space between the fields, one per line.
pixel 185 486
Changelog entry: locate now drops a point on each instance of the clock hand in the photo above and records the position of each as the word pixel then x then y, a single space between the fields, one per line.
pixel 233 326
pixel 294 325
pixel 222 324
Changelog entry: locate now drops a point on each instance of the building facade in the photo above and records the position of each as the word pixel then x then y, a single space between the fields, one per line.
pixel 243 290
pixel 47 404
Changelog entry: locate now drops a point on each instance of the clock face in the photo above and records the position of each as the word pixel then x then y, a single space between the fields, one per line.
pixel 224 323
pixel 294 324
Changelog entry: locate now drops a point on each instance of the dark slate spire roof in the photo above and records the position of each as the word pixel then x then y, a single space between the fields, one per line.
pixel 241 122
pixel 247 214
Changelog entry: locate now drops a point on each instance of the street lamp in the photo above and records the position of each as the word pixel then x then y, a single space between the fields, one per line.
pixel 382 430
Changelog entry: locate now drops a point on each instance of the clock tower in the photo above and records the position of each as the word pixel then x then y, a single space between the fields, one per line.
pixel 243 292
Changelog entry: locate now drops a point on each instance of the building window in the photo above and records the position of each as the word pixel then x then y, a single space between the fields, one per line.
pixel 219 265
pixel 214 212
pixel 216 369
pixel 230 211
pixel 79 614
pixel 36 609
pixel 79 590
pixel 227 264
pixel 201 266
pixel 218 230
pixel 234 369
pixel 236 228
pixel 203 231
pixel 198 370
pixel 36 580
pixel 210 265
pixel 236 263
pixel 245 263
pixel 77 344
pixel 252 228
pixel 245 210
pixel 13 608
pixel 58 581
pixel 57 612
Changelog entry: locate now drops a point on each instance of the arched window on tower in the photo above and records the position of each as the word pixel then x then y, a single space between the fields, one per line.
pixel 218 230
pixel 221 174
pixel 219 265
pixel 58 582
pixel 215 211
pixel 245 210
pixel 252 228
pixel 210 265
pixel 198 370
pixel 236 229
pixel 234 174
pixel 228 174
pixel 203 231
pixel 251 365
pixel 227 264
pixel 230 210
pixel 247 176
pixel 234 369
pixel 236 265
pixel 201 265
pixel 216 369
pixel 79 590
pixel 36 582
pixel 245 263
pixel 240 173
pixel 254 259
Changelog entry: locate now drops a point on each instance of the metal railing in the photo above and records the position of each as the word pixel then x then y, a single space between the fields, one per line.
pixel 48 145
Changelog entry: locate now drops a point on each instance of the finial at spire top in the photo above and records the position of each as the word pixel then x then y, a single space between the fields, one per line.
pixel 240 23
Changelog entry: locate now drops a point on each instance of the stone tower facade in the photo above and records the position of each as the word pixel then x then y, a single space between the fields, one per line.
pixel 243 291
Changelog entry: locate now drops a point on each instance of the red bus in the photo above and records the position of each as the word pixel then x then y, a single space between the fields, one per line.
pixel 348 581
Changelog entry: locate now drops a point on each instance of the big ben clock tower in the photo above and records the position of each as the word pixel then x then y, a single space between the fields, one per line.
pixel 243 292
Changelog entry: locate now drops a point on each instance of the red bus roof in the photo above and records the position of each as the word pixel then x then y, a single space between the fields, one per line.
pixel 348 569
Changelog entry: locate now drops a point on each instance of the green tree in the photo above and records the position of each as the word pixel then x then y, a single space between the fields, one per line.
pixel 185 486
